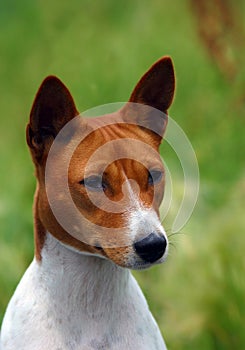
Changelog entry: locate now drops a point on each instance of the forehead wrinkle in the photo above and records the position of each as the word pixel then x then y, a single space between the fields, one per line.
pixel 122 130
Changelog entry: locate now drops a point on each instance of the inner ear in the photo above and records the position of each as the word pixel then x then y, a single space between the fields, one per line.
pixel 53 107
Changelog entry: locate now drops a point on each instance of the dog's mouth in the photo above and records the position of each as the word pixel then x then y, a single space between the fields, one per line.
pixel 137 265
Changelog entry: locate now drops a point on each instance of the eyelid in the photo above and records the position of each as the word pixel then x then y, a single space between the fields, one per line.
pixel 161 170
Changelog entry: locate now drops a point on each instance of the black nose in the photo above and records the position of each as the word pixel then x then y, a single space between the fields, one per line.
pixel 151 248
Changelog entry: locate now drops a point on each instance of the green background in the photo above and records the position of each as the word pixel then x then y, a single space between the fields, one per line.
pixel 100 49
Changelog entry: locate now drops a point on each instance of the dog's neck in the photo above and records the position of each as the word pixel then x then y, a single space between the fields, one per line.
pixel 78 281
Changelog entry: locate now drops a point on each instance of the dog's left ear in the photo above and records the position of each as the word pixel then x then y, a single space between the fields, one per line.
pixel 156 89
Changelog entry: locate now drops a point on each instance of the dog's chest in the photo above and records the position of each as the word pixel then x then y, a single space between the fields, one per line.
pixel 74 302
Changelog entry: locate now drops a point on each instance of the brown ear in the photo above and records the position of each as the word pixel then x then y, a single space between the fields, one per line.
pixel 156 87
pixel 53 107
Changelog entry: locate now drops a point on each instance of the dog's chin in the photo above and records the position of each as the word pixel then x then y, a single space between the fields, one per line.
pixel 140 264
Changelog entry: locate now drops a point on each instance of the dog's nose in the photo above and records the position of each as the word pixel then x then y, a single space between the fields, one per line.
pixel 151 248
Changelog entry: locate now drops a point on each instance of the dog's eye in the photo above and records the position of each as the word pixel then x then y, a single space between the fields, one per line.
pixel 154 177
pixel 93 183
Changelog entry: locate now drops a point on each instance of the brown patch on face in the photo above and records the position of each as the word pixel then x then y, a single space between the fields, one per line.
pixel 123 179
pixel 119 255
pixel 46 221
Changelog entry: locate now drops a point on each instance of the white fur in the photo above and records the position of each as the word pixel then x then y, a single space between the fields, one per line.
pixel 71 301
pixel 142 222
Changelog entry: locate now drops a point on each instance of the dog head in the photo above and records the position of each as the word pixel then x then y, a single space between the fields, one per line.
pixel 111 167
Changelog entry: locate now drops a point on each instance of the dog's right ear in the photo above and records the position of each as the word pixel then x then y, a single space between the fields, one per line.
pixel 53 107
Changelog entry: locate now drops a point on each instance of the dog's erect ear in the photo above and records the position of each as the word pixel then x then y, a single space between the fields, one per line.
pixel 53 107
pixel 156 89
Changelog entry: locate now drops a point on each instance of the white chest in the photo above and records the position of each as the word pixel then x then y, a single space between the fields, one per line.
pixel 76 302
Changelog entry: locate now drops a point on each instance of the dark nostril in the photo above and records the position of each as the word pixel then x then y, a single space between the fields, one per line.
pixel 151 248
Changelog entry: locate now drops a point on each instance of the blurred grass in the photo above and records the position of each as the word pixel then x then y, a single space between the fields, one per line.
pixel 100 49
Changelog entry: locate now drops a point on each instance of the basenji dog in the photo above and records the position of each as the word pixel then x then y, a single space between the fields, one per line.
pixel 95 218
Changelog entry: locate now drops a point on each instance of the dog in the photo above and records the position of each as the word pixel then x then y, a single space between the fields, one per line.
pixel 78 293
